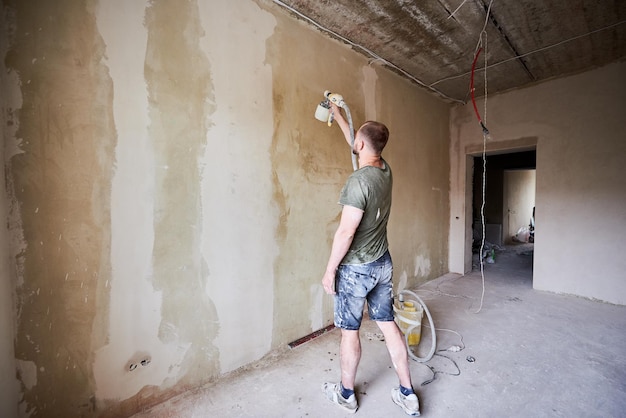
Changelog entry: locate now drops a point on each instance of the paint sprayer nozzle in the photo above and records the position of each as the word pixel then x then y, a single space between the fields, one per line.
pixel 335 98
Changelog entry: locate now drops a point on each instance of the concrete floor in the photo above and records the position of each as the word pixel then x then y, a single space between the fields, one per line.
pixel 536 355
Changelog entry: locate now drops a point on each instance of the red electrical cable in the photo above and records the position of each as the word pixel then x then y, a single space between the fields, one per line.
pixel 472 91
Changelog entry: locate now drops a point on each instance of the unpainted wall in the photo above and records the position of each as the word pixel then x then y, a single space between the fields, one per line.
pixel 171 200
pixel 419 156
pixel 577 125
pixel 9 386
pixel 519 200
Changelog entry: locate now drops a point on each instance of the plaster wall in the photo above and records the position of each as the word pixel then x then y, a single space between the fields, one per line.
pixel 311 161
pixel 519 200
pixel 578 126
pixel 419 155
pixel 171 199
pixel 8 366
pixel 8 383
pixel 9 386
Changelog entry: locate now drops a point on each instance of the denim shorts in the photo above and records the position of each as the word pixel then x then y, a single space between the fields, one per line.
pixel 357 283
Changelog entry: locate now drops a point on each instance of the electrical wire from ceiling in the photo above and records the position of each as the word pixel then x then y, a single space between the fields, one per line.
pixel 456 10
pixel 484 187
pixel 477 52
pixel 367 51
pixel 483 123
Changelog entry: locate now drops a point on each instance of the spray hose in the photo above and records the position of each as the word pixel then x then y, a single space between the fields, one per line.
pixel 414 324
pixel 347 109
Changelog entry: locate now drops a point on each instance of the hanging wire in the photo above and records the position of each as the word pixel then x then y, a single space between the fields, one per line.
pixel 480 37
pixel 457 9
pixel 482 45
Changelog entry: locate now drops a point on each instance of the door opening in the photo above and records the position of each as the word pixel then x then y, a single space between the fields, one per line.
pixel 508 211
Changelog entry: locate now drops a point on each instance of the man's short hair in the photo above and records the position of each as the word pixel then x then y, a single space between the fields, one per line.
pixel 376 133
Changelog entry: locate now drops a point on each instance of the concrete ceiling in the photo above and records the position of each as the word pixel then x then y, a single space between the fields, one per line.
pixel 433 42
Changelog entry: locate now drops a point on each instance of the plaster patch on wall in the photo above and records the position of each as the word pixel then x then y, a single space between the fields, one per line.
pixel 27 371
pixel 422 266
pixel 12 146
pixel 370 78
pixel 121 26
pixel 317 304
pixel 402 281
pixel 236 200
pixel 181 106
pixel 60 171
pixel 154 348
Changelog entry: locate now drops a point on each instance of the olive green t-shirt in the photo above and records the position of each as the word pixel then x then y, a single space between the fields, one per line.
pixel 369 189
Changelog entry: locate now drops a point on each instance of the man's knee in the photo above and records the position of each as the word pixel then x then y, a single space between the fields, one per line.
pixel 350 335
pixel 391 331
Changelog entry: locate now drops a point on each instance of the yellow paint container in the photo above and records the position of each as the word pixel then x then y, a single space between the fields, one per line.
pixel 409 317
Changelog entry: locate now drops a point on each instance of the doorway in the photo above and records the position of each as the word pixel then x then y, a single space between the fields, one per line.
pixel 509 202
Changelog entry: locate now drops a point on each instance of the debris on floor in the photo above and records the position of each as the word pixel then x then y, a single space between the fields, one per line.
pixel 374 336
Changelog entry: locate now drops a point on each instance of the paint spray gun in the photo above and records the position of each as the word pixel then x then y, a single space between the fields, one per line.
pixel 323 113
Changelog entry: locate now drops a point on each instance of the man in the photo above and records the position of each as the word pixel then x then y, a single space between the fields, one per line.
pixel 360 269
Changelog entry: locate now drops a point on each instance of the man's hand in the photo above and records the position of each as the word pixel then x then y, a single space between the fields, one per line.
pixel 350 220
pixel 341 121
pixel 328 281
pixel 336 110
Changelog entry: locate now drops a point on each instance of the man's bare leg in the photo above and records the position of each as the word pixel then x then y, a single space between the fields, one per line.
pixel 350 351
pixel 397 350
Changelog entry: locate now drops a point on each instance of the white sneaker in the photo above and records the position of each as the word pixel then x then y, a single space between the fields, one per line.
pixel 409 404
pixel 333 393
